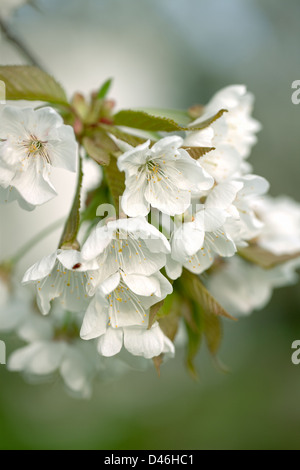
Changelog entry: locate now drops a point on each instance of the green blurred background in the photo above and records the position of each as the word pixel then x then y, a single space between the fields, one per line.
pixel 171 53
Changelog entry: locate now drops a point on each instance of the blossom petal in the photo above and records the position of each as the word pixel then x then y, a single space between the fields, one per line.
pixel 173 268
pixel 76 373
pixel 221 244
pixel 165 288
pixel 41 269
pixel 134 203
pixel 64 150
pixel 223 195
pixel 253 185
pixel 147 343
pixel 133 158
pixel 222 163
pixel 192 172
pixel 38 358
pixel 167 144
pixel 142 285
pixel 33 184
pixel 186 241
pixel 98 240
pixel 73 258
pixel 95 319
pixel 110 284
pixel 111 342
pixel 202 138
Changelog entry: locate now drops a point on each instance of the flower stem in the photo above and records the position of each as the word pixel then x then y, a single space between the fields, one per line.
pixel 10 36
pixel 34 241
pixel 69 236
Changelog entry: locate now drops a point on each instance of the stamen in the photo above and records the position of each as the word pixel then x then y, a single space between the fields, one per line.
pixel 36 148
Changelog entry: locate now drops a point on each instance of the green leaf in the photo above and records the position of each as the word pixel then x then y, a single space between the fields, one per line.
pixel 103 92
pixel 31 84
pixel 263 258
pixel 170 324
pixel 201 318
pixel 209 121
pixel 213 332
pixel 163 308
pixel 154 310
pixel 149 122
pixel 198 152
pixel 193 287
pixel 194 326
pixel 182 117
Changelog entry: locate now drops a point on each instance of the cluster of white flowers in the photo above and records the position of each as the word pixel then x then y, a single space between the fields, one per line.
pixel 242 287
pixel 214 206
pixel 113 281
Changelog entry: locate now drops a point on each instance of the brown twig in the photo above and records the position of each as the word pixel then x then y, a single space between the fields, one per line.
pixel 18 44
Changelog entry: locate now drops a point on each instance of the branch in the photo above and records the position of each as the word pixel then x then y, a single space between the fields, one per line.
pixel 18 44
pixel 69 236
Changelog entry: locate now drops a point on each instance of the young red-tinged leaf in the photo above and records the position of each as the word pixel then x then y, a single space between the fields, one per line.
pixel 198 152
pixel 263 258
pixel 157 361
pixel 31 84
pixel 196 111
pixel 80 106
pixel 95 151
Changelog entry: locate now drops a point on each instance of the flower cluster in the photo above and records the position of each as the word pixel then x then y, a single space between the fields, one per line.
pixel 196 232
pixel 31 143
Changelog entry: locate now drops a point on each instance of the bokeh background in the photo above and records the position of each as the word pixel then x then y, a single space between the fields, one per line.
pixel 170 53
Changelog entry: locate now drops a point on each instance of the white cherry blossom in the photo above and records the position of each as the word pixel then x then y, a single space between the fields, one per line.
pixel 31 143
pixel 53 349
pixel 61 275
pixel 196 243
pixel 222 163
pixel 243 224
pixel 236 128
pixel 132 245
pixel 163 176
pixel 281 231
pixel 119 315
pixel 242 287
